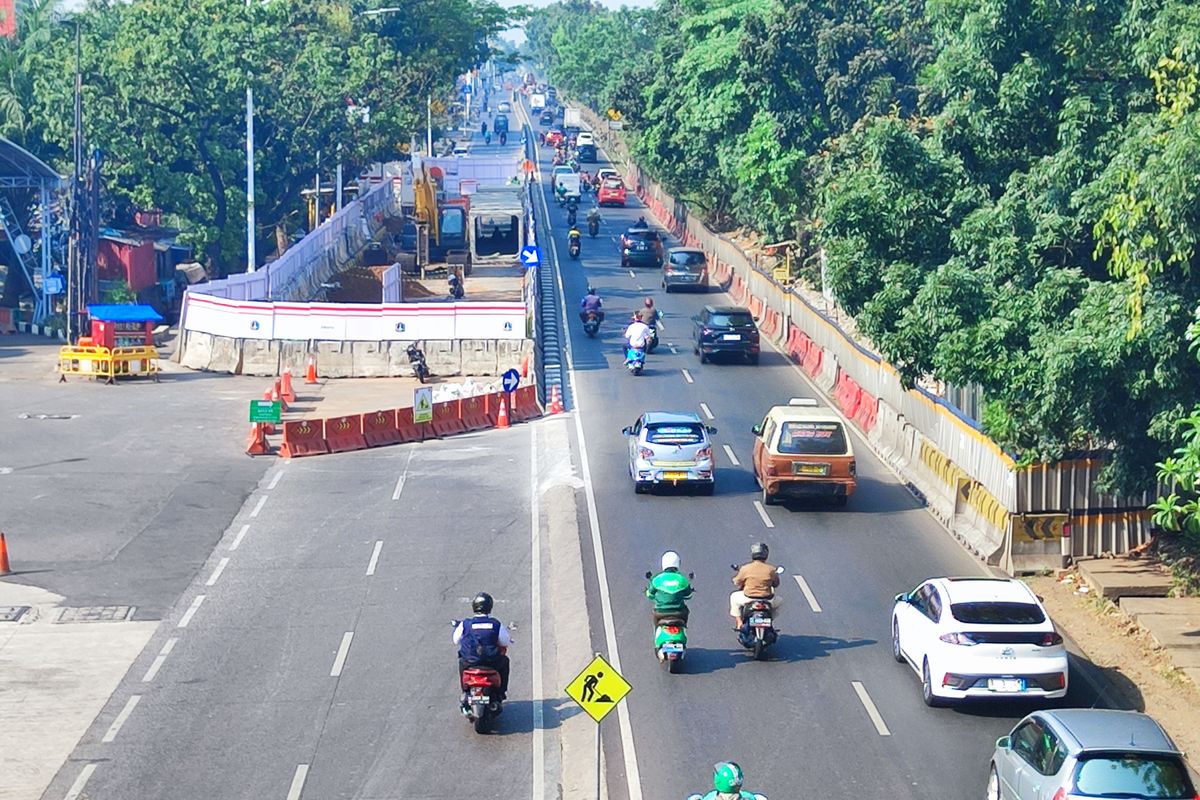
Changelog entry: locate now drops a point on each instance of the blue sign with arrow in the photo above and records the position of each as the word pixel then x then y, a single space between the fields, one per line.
pixel 510 380
pixel 530 256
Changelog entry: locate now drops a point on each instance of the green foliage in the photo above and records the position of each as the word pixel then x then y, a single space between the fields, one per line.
pixel 119 294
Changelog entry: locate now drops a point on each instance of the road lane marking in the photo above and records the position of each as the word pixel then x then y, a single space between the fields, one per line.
pixel 237 540
pixel 115 728
pixel 275 480
pixel 687 376
pixel 808 594
pixel 872 711
pixel 762 512
pixel 262 501
pixel 632 275
pixel 298 782
pixel 343 650
pixel 374 557
pixel 403 476
pixel 212 579
pixel 191 612
pixel 159 659
pixel 707 412
pixel 81 782
pixel 535 612
pixel 674 352
pixel 731 456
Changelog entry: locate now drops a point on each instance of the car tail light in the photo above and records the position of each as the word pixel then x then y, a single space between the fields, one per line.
pixel 645 452
pixel 1060 678
pixel 771 469
pixel 958 638
pixel 1051 639
pixel 703 453
pixel 672 629
pixel 853 468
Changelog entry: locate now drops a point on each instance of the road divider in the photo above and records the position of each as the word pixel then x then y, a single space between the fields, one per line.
pixel 733 459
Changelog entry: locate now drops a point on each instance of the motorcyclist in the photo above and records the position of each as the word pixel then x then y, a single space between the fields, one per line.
pixel 727 783
pixel 640 224
pixel 483 127
pixel 755 580
pixel 669 591
pixel 482 640
pixel 591 302
pixel 572 210
pixel 487 137
pixel 648 313
pixel 593 215
pixel 574 239
pixel 637 334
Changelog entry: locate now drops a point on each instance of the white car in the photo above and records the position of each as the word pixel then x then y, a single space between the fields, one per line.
pixel 978 637
pixel 584 137
pixel 604 173
pixel 504 107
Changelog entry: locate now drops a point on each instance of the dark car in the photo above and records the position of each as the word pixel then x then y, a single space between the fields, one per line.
pixel 572 132
pixel 725 329
pixel 547 117
pixel 500 124
pixel 641 247
pixel 586 153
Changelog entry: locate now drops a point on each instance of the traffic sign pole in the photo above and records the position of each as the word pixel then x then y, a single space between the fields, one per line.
pixel 598 758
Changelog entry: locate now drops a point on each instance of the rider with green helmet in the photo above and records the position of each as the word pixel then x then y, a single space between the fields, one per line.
pixel 670 590
pixel 727 783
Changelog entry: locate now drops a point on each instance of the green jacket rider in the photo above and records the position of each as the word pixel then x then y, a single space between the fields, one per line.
pixel 670 589
pixel 727 783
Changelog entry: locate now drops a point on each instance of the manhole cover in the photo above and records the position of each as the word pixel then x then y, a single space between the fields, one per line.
pixel 12 613
pixel 95 614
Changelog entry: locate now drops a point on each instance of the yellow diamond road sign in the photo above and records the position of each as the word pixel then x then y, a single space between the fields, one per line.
pixel 598 688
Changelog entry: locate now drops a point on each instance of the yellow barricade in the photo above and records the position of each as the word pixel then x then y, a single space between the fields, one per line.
pixel 110 364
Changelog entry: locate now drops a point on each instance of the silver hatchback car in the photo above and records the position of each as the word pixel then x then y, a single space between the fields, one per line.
pixel 670 448
pixel 1077 753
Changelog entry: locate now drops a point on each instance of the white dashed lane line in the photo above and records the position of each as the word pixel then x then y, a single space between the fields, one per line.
pixel 872 712
pixel 275 480
pixel 399 486
pixel 298 782
pixel 374 558
pixel 762 512
pixel 632 275
pixel 191 612
pixel 808 594
pixel 115 728
pixel 687 376
pixel 706 411
pixel 237 540
pixel 216 575
pixel 339 662
pixel 160 659
pixel 262 501
pixel 81 782
pixel 729 454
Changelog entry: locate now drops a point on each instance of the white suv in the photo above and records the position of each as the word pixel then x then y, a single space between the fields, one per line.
pixel 978 637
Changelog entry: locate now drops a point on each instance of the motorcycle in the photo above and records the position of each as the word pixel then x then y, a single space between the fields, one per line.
pixel 593 227
pixel 635 360
pixel 573 248
pixel 758 626
pixel 480 701
pixel 670 638
pixel 755 795
pixel 417 359
pixel 571 214
pixel 652 342
pixel 591 325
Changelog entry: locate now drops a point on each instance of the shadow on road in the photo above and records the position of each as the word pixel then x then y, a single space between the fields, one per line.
pixel 517 717
pixel 788 649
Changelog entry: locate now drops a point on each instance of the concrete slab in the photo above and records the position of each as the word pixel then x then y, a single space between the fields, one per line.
pixel 1136 606
pixel 1172 632
pixel 1125 577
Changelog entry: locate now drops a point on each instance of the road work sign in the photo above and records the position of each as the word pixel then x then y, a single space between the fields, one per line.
pixel 598 688
pixel 423 404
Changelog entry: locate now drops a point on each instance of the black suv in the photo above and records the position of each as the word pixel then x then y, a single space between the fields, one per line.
pixel 547 117
pixel 725 329
pixel 641 247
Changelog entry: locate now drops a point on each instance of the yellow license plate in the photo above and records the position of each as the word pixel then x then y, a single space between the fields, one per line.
pixel 812 469
pixel 675 476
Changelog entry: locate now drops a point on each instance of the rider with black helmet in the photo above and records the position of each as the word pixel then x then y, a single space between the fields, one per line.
pixel 482 639
pixel 755 580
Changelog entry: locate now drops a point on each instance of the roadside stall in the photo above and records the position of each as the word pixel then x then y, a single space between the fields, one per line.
pixel 121 344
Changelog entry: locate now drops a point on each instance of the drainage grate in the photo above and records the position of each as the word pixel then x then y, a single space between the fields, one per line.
pixel 95 614
pixel 12 613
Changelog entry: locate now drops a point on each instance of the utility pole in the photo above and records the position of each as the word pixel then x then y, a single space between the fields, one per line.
pixel 429 125
pixel 251 257
pixel 75 255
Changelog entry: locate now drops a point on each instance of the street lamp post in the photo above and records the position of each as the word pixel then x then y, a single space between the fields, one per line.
pixel 251 257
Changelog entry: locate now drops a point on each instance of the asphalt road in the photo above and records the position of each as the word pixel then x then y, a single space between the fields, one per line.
pixel 798 724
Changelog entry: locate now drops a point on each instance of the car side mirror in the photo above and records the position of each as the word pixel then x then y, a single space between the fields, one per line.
pixel 691 576
pixel 627 430
pixel 757 429
pixel 710 429
pixel 779 570
pixel 754 318
pixel 1004 742
pixel 649 575
pixel 733 567
pixel 901 598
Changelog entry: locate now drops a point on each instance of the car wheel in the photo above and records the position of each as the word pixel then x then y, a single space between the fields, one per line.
pixel 666 288
pixel 703 356
pixel 640 488
pixel 708 489
pixel 931 699
pixel 753 359
pixel 896 654
pixel 767 499
pixel 839 501
pixel 993 784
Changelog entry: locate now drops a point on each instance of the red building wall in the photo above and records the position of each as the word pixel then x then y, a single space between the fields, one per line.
pixel 133 264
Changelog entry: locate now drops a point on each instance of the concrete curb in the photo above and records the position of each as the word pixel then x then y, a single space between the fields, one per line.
pixel 41 330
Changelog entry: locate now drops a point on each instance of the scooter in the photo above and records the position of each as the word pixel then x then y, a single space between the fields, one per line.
pixel 755 795
pixel 573 248
pixel 416 357
pixel 591 325
pixel 480 695
pixel 652 342
pixel 758 627
pixel 593 227
pixel 635 360
pixel 571 214
pixel 670 638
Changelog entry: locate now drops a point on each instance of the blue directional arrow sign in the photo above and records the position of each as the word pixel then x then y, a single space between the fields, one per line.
pixel 530 256
pixel 510 380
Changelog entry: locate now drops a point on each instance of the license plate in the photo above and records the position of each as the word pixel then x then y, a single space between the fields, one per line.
pixel 812 469
pixel 672 648
pixel 1006 685
pixel 759 619
pixel 731 337
pixel 675 476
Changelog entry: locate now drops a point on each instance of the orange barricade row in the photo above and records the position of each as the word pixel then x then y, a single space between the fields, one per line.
pixel 868 411
pixel 303 438
pixel 812 361
pixel 445 419
pixel 409 430
pixel 524 404
pixel 473 411
pixel 343 434
pixel 755 306
pixel 379 428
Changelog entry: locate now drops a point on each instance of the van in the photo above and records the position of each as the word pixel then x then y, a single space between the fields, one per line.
pixel 685 267
pixel 802 450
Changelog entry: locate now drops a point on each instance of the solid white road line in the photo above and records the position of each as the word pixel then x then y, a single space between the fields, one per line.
pixel 275 481
pixel 237 540
pixel 872 711
pixel 343 650
pixel 191 612
pixel 732 458
pixel 808 594
pixel 262 501
pixel 399 487
pixel 687 376
pixel 212 579
pixel 159 659
pixel 374 557
pixel 762 512
pixel 81 782
pixel 115 728
pixel 298 782
pixel 535 612
pixel 707 412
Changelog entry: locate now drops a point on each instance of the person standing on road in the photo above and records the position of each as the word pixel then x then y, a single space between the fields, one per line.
pixel 482 641
pixel 755 580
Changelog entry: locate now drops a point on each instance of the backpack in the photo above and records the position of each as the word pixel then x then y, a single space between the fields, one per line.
pixel 480 640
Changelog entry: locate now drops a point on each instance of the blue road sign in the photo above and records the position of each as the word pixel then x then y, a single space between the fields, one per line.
pixel 53 284
pixel 510 380
pixel 530 256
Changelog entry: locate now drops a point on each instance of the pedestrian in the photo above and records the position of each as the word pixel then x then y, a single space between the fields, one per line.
pixel 483 128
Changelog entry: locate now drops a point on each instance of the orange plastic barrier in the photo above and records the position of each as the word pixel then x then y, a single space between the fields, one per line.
pixel 303 438
pixel 473 411
pixel 812 360
pixel 344 433
pixel 524 404
pixel 868 411
pixel 6 321
pixel 756 306
pixel 446 421
pixel 379 428
pixel 410 431
pixel 847 393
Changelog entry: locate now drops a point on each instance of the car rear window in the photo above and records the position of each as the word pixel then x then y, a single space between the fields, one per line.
pixel 687 259
pixel 675 433
pixel 997 613
pixel 613 183
pixel 1137 775
pixel 739 320
pixel 812 438
pixel 642 234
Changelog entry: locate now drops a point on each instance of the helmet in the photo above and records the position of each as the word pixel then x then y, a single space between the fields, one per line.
pixel 591 290
pixel 482 603
pixel 649 302
pixel 759 551
pixel 670 560
pixel 727 777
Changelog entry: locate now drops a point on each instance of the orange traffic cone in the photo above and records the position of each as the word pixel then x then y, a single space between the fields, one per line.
pixel 525 367
pixel 288 393
pixel 4 567
pixel 502 417
pixel 256 445
pixel 556 406
pixel 310 375
pixel 269 396
pixel 277 395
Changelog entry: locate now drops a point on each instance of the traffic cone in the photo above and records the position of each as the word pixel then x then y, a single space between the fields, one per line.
pixel 277 395
pixel 269 396
pixel 310 374
pixel 288 393
pixel 556 406
pixel 502 417
pixel 256 445
pixel 525 367
pixel 4 567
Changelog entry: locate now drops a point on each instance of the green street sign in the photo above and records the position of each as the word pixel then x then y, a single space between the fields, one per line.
pixel 265 410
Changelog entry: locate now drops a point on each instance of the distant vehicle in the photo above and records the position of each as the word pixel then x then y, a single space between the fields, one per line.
pixel 569 180
pixel 504 107
pixel 979 637
pixel 1077 753
pixel 802 450
pixel 572 117
pixel 604 173
pixel 667 447
pixel 720 330
pixel 585 153
pixel 641 247
pixel 555 136
pixel 584 137
pixel 571 132
pixel 547 118
pixel 462 148
pixel 684 267
pixel 530 79
pixel 537 102
pixel 612 193
pixel 500 124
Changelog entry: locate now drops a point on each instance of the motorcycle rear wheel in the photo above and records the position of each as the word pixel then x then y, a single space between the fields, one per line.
pixel 760 650
pixel 480 724
pixel 674 665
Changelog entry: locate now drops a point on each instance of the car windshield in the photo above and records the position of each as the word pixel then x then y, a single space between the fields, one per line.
pixel 737 319
pixel 675 433
pixel 1137 775
pixel 997 613
pixel 812 438
pixel 687 259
